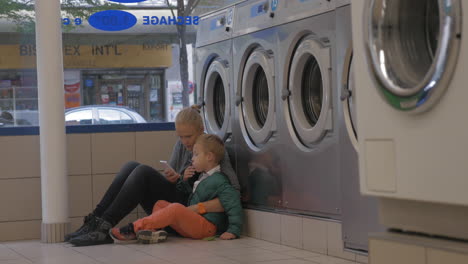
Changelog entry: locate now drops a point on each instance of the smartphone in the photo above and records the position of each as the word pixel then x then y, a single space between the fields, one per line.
pixel 166 165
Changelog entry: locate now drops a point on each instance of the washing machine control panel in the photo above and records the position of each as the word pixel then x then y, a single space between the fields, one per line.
pixel 215 27
pixel 292 10
pixel 253 16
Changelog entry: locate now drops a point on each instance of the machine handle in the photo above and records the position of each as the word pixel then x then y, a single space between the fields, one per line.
pixel 272 14
pixel 239 100
pixel 285 94
pixel 345 93
pixel 222 21
pixel 202 102
pixel 228 29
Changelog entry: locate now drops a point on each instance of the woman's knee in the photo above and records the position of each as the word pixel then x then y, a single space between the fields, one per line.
pixel 142 168
pixel 130 166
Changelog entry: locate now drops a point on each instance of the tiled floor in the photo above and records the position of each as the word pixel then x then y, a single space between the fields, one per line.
pixel 173 251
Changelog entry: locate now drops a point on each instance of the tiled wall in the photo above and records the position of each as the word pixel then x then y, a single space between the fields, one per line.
pixel 312 234
pixel 93 160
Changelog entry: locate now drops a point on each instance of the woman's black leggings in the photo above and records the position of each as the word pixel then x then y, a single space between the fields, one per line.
pixel 134 184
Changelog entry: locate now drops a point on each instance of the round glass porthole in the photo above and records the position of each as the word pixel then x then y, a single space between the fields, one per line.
pixel 413 48
pixel 258 92
pixel 310 90
pixel 260 97
pixel 217 98
pixel 219 101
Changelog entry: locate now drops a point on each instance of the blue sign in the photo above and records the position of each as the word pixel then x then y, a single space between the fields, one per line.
pixel 258 9
pixel 274 4
pixel 112 20
pixel 170 20
pixel 127 1
pixel 89 83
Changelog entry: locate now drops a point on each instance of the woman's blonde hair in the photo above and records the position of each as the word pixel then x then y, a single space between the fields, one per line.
pixel 190 116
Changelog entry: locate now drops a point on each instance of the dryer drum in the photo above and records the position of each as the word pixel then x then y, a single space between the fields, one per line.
pixel 312 91
pixel 260 96
pixel 411 43
pixel 219 101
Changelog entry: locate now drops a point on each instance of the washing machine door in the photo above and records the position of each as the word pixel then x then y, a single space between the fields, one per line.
pixel 348 98
pixel 217 99
pixel 258 93
pixel 310 91
pixel 413 48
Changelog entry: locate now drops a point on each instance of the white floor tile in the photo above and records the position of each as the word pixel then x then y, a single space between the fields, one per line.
pixel 249 258
pixel 37 250
pixel 301 254
pixel 70 259
pixel 209 260
pixel 288 261
pixel 175 250
pixel 15 261
pixel 8 254
pixel 243 251
pixel 330 260
pixel 116 254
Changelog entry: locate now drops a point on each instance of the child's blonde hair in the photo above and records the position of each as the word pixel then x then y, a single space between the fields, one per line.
pixel 212 143
pixel 191 116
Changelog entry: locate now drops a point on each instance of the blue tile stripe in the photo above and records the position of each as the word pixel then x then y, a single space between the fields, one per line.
pixel 88 129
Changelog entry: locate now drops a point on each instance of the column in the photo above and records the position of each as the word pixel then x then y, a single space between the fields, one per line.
pixel 54 179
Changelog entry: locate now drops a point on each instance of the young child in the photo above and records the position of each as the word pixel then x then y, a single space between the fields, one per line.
pixel 208 151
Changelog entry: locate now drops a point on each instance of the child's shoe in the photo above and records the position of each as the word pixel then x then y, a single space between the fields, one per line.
pixel 151 236
pixel 123 235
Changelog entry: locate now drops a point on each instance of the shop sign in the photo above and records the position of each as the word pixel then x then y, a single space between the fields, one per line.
pixel 23 56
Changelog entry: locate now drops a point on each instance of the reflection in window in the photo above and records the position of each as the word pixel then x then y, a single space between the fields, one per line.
pixel 107 116
pixel 80 117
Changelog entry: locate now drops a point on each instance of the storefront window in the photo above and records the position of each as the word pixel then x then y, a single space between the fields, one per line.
pixel 110 76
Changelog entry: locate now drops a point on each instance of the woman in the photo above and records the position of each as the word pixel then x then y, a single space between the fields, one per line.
pixel 140 184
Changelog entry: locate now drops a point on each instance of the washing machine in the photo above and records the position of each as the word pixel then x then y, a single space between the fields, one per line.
pixel 359 213
pixel 410 61
pixel 307 113
pixel 254 127
pixel 214 71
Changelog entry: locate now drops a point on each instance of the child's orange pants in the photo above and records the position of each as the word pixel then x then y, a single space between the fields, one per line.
pixel 183 220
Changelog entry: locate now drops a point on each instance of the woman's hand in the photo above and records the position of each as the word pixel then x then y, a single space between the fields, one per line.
pixel 189 172
pixel 227 236
pixel 171 175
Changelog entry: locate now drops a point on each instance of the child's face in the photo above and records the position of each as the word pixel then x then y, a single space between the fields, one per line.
pixel 199 158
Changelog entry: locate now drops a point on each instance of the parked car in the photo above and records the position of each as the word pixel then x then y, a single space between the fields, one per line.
pixel 7 120
pixel 102 115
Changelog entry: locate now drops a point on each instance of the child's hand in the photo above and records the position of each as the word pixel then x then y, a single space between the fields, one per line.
pixel 227 236
pixel 189 172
